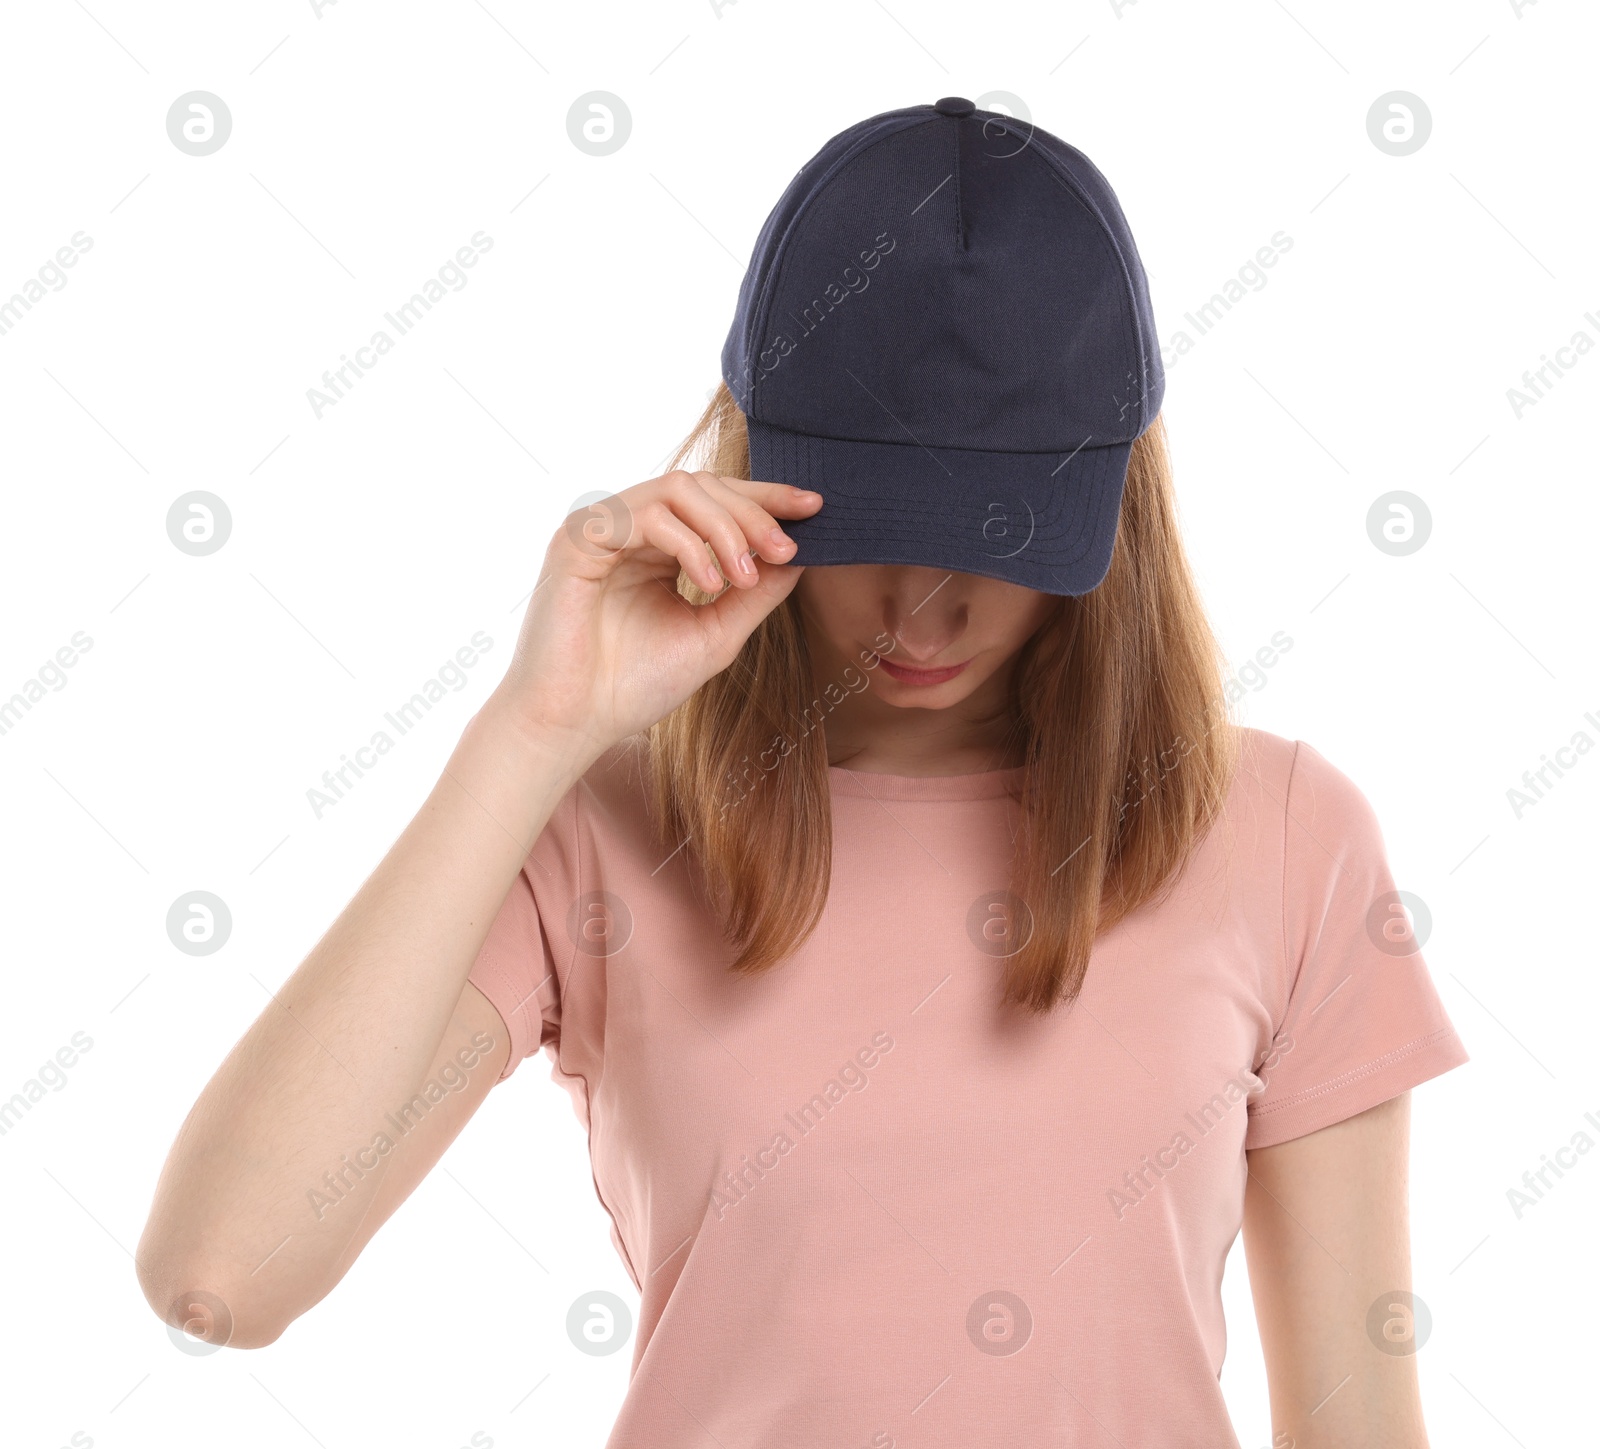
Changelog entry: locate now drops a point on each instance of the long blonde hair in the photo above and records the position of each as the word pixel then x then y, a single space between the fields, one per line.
pixel 1118 706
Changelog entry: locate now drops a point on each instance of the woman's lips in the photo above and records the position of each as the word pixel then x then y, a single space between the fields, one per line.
pixel 920 676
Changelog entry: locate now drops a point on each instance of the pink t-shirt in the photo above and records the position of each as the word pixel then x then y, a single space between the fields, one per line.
pixel 864 1205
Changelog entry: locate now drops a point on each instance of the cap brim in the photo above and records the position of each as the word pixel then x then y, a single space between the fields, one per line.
pixel 1045 521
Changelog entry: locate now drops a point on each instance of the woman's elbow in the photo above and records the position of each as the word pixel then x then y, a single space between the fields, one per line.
pixel 224 1313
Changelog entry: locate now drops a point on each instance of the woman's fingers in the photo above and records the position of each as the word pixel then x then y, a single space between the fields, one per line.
pixel 782 499
pixel 733 523
pixel 660 527
pixel 729 619
pixel 762 529
pixel 686 494
pixel 731 509
pixel 680 513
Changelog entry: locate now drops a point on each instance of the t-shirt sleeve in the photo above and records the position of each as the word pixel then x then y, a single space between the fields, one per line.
pixel 1362 1022
pixel 517 965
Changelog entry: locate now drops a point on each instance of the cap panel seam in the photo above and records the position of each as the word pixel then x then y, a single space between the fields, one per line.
pixel 1068 183
pixel 961 237
pixel 785 244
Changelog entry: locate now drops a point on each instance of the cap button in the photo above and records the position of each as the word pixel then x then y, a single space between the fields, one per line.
pixel 954 106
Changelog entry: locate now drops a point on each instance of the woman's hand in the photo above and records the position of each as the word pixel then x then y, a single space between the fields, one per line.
pixel 608 645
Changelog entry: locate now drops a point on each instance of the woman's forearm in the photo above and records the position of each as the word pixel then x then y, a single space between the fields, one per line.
pixel 347 1038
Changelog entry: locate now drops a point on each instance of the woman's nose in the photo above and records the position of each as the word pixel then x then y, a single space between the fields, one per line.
pixel 924 611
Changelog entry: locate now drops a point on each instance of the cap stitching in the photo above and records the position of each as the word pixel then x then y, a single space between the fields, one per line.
pixel 961 238
pixel 802 455
pixel 804 448
pixel 1068 183
pixel 944 447
pixel 785 245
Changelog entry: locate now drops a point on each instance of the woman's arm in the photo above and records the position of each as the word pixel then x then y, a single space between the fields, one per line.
pixel 245 1213
pixel 1326 1236
pixel 279 1175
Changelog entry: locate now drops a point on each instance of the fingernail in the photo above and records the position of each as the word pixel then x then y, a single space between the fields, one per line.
pixel 745 566
pixel 779 539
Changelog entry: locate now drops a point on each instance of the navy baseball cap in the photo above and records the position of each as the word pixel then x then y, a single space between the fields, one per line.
pixel 945 329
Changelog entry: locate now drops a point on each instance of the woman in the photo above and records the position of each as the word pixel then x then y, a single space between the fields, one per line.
pixel 942 978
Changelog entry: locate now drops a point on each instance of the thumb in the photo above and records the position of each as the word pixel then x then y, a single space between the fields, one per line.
pixel 732 616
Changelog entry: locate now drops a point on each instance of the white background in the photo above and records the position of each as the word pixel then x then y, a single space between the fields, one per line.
pixel 370 143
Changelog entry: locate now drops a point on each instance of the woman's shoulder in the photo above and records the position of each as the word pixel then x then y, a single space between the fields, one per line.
pixel 1265 762
pixel 1295 779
